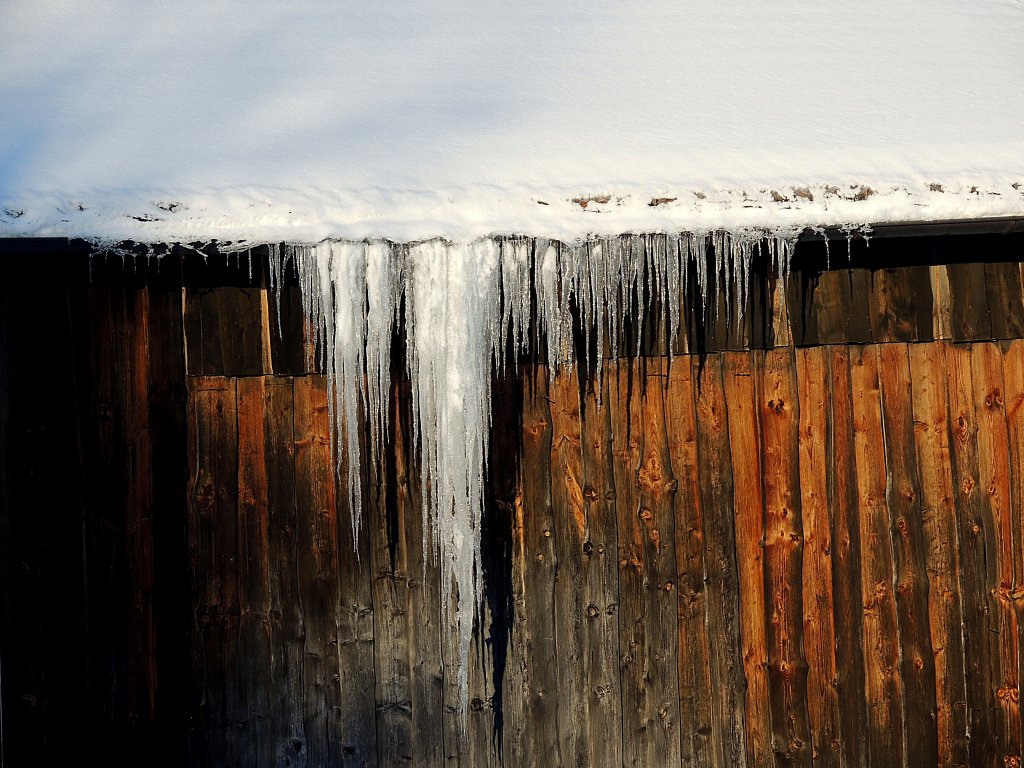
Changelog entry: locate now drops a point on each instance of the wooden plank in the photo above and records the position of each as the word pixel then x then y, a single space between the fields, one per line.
pixel 352 712
pixel 255 653
pixel 884 683
pixel 778 411
pixel 721 575
pixel 599 588
pixel 969 312
pixel 1013 379
pixel 317 565
pixel 1005 299
pixel 986 367
pixel 748 510
pixel 823 703
pixel 903 494
pixel 942 302
pixel 533 723
pixel 288 353
pixel 931 421
pixel 287 622
pixel 225 331
pixel 698 741
pixel 800 301
pixel 841 305
pixel 648 611
pixel 141 673
pixel 407 650
pixel 213 553
pixel 900 302
pixel 169 445
pixel 106 486
pixel 977 541
pixel 569 533
pixel 192 322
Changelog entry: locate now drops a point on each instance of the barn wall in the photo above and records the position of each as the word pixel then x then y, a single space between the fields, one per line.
pixel 803 544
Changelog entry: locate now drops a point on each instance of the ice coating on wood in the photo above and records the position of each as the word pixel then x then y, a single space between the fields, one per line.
pixel 470 310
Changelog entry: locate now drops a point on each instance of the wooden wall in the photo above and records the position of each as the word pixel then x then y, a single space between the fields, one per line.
pixel 800 542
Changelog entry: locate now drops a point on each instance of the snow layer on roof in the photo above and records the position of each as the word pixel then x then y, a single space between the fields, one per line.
pixel 306 119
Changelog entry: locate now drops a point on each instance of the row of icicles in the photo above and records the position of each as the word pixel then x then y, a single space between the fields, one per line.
pixel 463 304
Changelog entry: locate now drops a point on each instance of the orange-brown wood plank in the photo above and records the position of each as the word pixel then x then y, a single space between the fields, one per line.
pixel 698 741
pixel 823 703
pixel 848 610
pixel 976 536
pixel 917 662
pixel 255 651
pixel 884 682
pixel 570 534
pixel 1013 400
pixel 778 411
pixel 722 605
pixel 647 574
pixel 994 476
pixel 748 509
pixel 585 614
pixel 287 623
pixel 931 420
pixel 317 566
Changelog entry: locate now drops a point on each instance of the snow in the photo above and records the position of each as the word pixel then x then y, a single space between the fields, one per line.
pixel 305 120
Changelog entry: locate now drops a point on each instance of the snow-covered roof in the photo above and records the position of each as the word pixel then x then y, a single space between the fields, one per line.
pixel 309 119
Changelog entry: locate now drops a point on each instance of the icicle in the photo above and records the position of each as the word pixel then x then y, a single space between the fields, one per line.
pixel 468 307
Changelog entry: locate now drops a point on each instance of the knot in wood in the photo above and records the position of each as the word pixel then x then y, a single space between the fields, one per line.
pixel 589 492
pixel 646 513
pixel 668 586
pixel 1008 693
pixel 1011 761
pixel 776 406
pixel 587 547
pixel 593 611
pixel 547 534
pixel 476 704
pixel 902 525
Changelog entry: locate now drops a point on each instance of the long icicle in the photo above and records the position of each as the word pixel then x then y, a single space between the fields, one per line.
pixel 464 302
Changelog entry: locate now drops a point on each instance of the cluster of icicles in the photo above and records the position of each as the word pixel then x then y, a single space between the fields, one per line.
pixel 463 303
